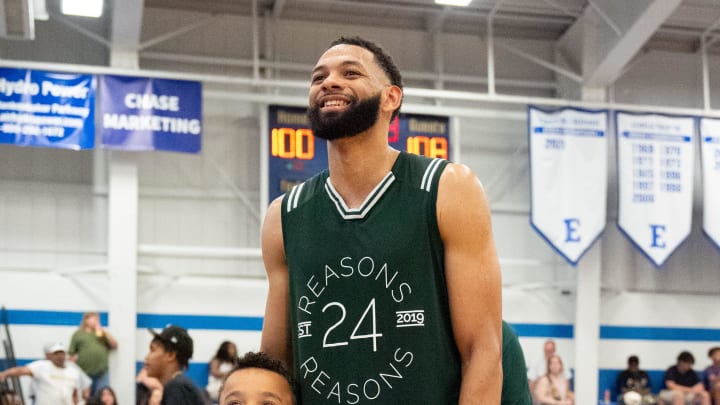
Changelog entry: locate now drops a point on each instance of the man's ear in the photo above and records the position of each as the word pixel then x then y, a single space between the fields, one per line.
pixel 392 98
pixel 171 356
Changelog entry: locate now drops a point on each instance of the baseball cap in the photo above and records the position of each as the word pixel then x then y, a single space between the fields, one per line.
pixel 176 339
pixel 55 347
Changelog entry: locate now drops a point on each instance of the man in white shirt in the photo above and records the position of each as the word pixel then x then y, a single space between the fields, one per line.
pixel 54 383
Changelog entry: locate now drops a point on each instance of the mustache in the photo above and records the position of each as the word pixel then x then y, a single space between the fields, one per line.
pixel 351 100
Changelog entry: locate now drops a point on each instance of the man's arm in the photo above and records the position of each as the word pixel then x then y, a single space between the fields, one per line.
pixel 275 335
pixel 84 381
pixel 698 388
pixel 620 382
pixel 673 386
pixel 15 372
pixel 473 280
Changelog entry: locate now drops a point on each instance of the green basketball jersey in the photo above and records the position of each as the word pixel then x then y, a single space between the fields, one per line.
pixel 369 309
pixel 515 390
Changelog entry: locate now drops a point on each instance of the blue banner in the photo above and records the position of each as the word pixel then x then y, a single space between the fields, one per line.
pixel 150 114
pixel 296 154
pixel 47 109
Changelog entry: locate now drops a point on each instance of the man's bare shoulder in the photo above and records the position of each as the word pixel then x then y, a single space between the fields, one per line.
pixel 274 207
pixel 457 176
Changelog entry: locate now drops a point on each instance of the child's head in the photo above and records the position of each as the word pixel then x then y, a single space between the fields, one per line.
pixel 258 379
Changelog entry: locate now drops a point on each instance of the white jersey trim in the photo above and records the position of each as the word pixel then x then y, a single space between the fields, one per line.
pixel 294 197
pixel 370 201
pixel 427 178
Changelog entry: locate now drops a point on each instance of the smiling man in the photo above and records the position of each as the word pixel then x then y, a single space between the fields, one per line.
pixel 384 278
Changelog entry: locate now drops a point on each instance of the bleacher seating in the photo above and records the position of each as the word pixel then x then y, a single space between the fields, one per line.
pixel 608 380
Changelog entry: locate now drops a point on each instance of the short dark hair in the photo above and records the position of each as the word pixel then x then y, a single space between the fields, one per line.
pixel 633 360
pixel 262 361
pixel 383 59
pixel 713 350
pixel 686 357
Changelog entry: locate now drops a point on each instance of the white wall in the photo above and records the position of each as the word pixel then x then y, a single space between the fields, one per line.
pixel 53 206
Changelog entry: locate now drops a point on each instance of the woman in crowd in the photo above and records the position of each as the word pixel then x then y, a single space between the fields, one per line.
pixel 224 360
pixel 90 349
pixel 105 396
pixel 553 388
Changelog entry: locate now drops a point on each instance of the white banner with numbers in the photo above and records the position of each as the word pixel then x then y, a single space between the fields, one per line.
pixel 710 149
pixel 568 166
pixel 655 174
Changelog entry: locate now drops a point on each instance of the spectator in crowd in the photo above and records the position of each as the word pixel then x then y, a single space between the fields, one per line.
pixel 553 388
pixel 170 353
pixel 539 368
pixel 682 384
pixel 83 384
pixel 633 379
pixel 104 396
pixel 221 364
pixel 90 349
pixel 257 380
pixel 712 375
pixel 54 382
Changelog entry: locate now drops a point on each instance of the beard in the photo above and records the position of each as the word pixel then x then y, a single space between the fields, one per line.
pixel 357 118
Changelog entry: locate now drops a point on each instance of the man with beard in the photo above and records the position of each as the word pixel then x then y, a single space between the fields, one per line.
pixel 384 278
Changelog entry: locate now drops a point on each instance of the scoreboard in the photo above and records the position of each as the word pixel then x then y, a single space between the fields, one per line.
pixel 295 154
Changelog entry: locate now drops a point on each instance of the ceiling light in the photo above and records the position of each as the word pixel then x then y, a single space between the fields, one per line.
pixel 461 3
pixel 82 8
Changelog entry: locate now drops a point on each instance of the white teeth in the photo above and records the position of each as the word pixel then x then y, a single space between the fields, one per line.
pixel 335 103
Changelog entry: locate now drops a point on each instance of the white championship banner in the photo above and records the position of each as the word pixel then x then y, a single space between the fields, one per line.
pixel 568 177
pixel 655 174
pixel 710 135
